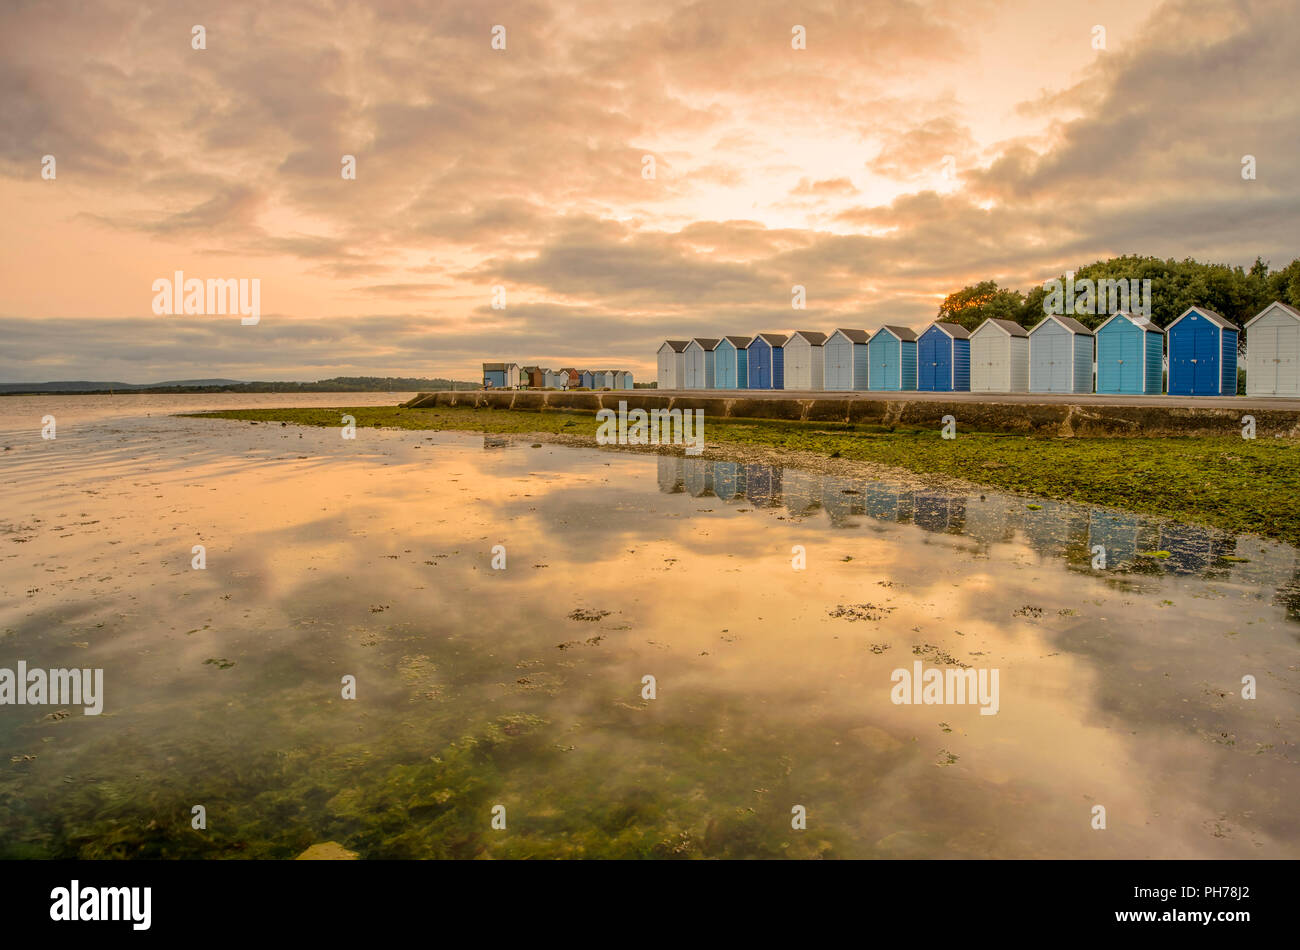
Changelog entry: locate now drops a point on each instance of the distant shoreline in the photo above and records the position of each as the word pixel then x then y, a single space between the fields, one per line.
pixel 342 385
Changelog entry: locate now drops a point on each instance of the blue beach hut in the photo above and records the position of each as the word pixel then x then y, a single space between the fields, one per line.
pixel 943 359
pixel 892 355
pixel 1202 354
pixel 767 361
pixel 731 363
pixel 1130 356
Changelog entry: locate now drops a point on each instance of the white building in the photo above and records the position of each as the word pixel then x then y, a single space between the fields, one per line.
pixel 672 367
pixel 1273 352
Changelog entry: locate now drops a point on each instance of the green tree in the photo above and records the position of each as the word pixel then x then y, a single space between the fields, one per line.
pixel 972 305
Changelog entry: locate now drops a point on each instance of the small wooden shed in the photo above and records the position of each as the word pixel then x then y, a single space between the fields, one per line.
pixel 1130 356
pixel 767 361
pixel 804 364
pixel 1202 354
pixel 699 363
pixel 892 356
pixel 731 363
pixel 1273 352
pixel 999 354
pixel 671 364
pixel 845 358
pixel 943 358
pixel 1060 356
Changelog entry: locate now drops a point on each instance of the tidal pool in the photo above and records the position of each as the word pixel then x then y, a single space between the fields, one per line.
pixel 1120 685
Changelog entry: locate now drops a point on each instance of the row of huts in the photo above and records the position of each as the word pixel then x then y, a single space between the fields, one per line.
pixel 1126 355
pixel 514 376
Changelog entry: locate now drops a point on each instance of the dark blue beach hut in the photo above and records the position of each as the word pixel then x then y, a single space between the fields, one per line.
pixel 943 359
pixel 767 361
pixel 1202 354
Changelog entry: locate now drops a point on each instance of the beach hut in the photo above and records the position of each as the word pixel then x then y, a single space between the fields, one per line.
pixel 671 358
pixel 943 359
pixel 552 379
pixel 1273 352
pixel 499 375
pixel 804 362
pixel 1060 356
pixel 588 378
pixel 767 361
pixel 622 379
pixel 1130 356
pixel 891 353
pixel 1202 354
pixel 999 357
pixel 731 363
pixel 531 376
pixel 845 359
pixel 603 378
pixel 571 377
pixel 699 371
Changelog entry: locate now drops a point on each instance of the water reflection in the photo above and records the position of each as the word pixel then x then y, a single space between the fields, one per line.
pixel 1132 543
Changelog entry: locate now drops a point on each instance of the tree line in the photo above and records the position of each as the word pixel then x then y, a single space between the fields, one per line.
pixel 1233 292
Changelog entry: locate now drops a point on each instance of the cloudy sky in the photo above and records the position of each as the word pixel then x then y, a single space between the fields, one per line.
pixel 913 147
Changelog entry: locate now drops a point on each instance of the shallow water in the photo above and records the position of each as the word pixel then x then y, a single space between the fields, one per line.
pixel 1119 687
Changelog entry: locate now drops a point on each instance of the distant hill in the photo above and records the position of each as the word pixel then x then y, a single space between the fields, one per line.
pixel 339 384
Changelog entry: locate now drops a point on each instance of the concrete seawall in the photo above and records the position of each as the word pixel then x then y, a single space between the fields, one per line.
pixel 1058 416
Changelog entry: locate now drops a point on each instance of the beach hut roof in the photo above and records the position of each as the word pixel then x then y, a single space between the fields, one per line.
pixel 956 331
pixel 1275 305
pixel 775 339
pixel 1009 327
pixel 739 342
pixel 1216 318
pixel 677 345
pixel 1071 324
pixel 903 333
pixel 853 336
pixel 493 367
pixel 812 336
pixel 1142 323
pixel 706 342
